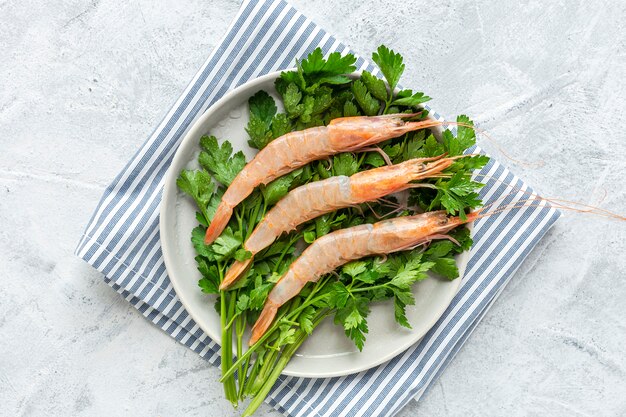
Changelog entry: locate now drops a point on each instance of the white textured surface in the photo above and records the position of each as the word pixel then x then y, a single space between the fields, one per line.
pixel 83 83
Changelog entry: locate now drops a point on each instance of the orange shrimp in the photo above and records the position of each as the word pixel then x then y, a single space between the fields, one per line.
pixel 337 248
pixel 314 199
pixel 401 233
pixel 297 149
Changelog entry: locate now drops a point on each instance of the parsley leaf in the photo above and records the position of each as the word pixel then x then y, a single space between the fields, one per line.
pixel 358 335
pixel 259 294
pixel 325 223
pixel 259 134
pixel 353 318
pixel 286 335
pixel 440 254
pixel 457 194
pixel 227 243
pixel 207 286
pixel 278 188
pixel 218 160
pixel 368 277
pixel 413 146
pixel 350 109
pixel 242 254
pixel 242 303
pixel 446 267
pixel 432 147
pixel 407 98
pixel 291 100
pixel 345 164
pixel 473 163
pixel 356 310
pixel 199 185
pixel 262 107
pixel 439 249
pixel 296 77
pixel 390 64
pixel 375 85
pixel 209 282
pixel 262 112
pixel 197 239
pixel 305 319
pixel 368 104
pixel 404 295
pixel 280 125
pixel 410 273
pixel 462 235
pixel 465 137
pixel 354 268
pixel 318 70
pixel 337 296
pixel 400 313
pixel 374 159
pixel 262 119
pixel 307 109
pixel 322 100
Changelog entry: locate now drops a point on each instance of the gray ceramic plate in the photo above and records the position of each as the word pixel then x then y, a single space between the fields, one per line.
pixel 327 352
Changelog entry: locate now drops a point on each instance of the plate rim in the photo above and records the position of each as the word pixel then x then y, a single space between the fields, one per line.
pixel 166 237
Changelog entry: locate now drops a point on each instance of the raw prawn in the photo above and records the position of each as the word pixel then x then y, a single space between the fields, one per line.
pixel 314 199
pixel 296 149
pixel 337 248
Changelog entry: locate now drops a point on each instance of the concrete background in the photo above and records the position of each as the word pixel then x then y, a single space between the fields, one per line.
pixel 84 83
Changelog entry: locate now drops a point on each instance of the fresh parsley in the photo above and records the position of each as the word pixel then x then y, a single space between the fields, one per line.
pixel 319 90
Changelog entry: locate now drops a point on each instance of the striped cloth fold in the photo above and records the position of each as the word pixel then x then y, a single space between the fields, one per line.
pixel 122 237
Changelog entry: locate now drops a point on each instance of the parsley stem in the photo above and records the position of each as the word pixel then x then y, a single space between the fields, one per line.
pixel 239 219
pixel 249 352
pixel 304 305
pixel 374 287
pixel 284 251
pixel 253 218
pixel 230 323
pixel 270 379
pixel 280 365
pixel 240 327
pixel 253 374
pixel 361 159
pixel 387 103
pixel 246 366
pixel 227 345
pixel 308 301
pixel 265 371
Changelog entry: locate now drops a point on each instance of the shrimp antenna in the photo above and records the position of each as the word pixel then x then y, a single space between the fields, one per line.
pixel 478 130
pixel 534 200
pixel 557 202
pixel 484 133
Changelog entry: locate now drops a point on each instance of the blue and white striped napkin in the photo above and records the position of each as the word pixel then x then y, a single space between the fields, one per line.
pixel 122 237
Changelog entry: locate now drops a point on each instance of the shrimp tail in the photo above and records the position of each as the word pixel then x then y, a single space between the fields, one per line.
pixel 219 222
pixel 264 321
pixel 235 272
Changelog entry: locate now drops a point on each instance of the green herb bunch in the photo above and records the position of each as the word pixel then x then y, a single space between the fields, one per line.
pixel 319 90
